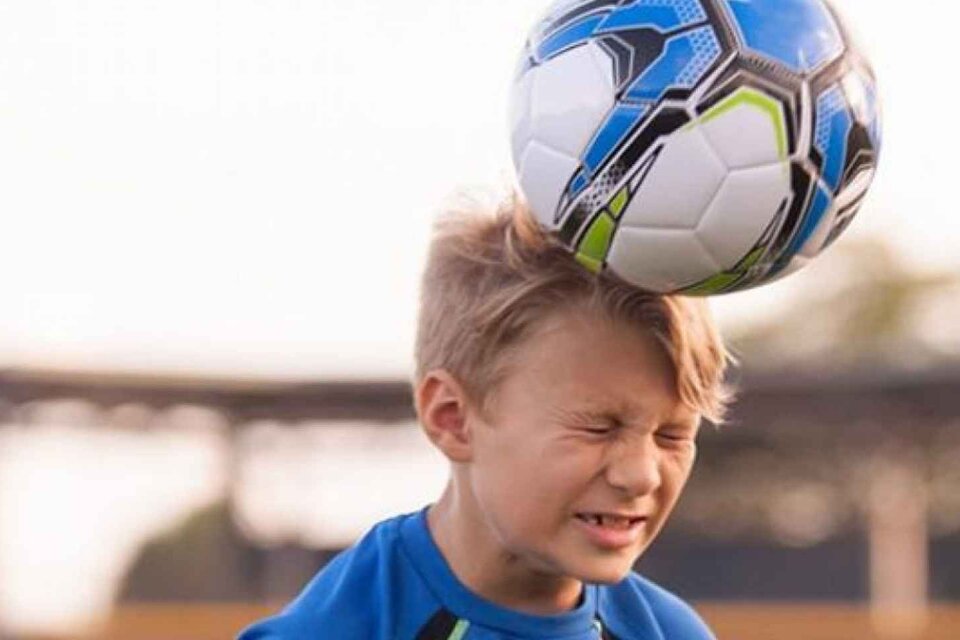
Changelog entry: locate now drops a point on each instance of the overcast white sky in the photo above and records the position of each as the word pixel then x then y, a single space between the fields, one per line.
pixel 246 187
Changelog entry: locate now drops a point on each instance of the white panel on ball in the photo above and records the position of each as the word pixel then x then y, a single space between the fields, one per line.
pixel 572 93
pixel 545 172
pixel 745 136
pixel 660 259
pixel 746 204
pixel 679 187
pixel 853 87
pixel 521 123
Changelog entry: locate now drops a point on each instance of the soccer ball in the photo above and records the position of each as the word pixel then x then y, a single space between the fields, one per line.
pixel 694 146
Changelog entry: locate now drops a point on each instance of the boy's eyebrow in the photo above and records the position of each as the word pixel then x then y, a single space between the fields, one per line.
pixel 687 421
pixel 588 415
pixel 604 416
pixel 618 416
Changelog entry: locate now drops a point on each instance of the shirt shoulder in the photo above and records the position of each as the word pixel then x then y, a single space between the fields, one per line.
pixel 354 596
pixel 638 603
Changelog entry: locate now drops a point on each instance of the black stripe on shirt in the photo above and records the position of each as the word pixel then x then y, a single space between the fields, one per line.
pixel 439 627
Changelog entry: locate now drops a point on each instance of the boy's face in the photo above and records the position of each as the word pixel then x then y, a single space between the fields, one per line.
pixel 587 422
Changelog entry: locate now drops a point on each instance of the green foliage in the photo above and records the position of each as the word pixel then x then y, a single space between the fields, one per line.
pixel 857 305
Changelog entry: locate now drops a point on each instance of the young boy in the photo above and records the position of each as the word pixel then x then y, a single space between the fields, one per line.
pixel 568 405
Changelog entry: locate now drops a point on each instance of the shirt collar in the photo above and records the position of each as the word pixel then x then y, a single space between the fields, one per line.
pixel 460 601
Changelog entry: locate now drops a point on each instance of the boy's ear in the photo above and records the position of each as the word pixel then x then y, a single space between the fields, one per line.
pixel 442 406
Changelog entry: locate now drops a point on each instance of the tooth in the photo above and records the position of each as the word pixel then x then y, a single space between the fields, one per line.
pixel 616 522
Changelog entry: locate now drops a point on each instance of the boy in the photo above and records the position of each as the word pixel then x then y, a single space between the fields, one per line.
pixel 568 406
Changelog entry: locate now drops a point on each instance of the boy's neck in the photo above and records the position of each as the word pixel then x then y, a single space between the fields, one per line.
pixel 488 570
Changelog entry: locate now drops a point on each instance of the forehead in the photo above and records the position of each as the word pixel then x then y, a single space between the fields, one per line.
pixel 586 360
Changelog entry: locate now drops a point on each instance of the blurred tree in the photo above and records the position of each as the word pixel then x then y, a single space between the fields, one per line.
pixel 858 306
pixel 205 558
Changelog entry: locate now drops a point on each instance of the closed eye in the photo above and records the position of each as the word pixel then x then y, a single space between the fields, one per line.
pixel 674 436
pixel 600 430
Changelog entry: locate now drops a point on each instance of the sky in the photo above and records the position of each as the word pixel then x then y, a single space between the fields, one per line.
pixel 246 188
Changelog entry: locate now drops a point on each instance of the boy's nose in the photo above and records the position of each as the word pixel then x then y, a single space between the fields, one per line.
pixel 634 468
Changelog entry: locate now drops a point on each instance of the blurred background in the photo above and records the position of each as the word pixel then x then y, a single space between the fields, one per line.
pixel 216 215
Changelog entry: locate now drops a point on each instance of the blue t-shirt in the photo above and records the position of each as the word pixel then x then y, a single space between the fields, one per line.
pixel 394 584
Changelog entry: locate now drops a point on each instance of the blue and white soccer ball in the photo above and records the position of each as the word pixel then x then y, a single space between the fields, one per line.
pixel 695 146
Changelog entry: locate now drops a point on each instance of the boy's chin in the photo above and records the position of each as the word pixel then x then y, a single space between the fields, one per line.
pixel 611 571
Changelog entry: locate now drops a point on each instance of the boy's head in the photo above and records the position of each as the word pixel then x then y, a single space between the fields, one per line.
pixel 558 394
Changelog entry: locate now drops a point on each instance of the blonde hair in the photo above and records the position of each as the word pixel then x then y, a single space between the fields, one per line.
pixel 492 277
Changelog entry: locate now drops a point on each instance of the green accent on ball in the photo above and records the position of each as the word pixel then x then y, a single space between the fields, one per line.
pixel 459 630
pixel 596 242
pixel 592 265
pixel 721 281
pixel 619 202
pixel 714 284
pixel 752 97
pixel 752 258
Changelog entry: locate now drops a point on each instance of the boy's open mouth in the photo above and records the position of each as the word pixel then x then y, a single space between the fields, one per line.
pixel 610 521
